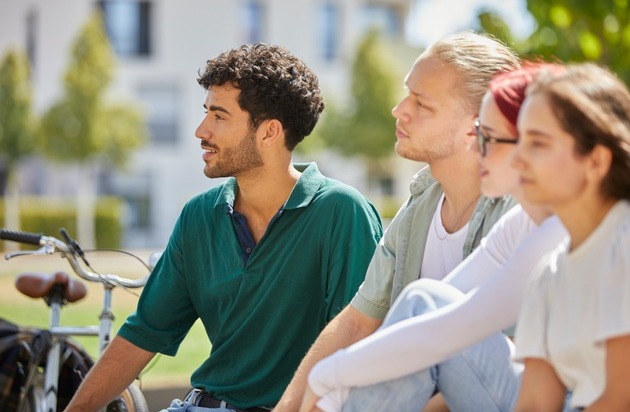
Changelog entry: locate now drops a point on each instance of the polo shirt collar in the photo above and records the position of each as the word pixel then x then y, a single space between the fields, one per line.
pixel 303 193
pixel 306 187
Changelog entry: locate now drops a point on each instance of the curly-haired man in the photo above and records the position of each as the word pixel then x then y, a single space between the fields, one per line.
pixel 265 259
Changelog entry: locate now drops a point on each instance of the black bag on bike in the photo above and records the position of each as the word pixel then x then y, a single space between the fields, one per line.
pixel 24 348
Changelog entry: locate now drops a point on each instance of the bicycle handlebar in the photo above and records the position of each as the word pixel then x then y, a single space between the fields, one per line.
pixel 50 245
pixel 22 237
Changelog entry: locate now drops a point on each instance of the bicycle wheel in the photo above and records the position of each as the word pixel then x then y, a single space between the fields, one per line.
pixel 34 398
pixel 131 400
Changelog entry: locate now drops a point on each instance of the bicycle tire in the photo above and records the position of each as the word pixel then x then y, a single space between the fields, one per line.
pixel 34 399
pixel 131 400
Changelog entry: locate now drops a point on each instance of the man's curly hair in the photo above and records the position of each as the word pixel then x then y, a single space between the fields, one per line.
pixel 273 84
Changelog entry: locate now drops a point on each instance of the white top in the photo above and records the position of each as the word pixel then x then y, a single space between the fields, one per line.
pixel 495 276
pixel 580 300
pixel 443 251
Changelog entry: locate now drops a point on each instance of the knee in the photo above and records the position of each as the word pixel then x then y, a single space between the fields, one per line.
pixel 421 296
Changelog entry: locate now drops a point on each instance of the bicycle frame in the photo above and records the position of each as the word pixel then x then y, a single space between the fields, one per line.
pixel 103 331
pixel 50 245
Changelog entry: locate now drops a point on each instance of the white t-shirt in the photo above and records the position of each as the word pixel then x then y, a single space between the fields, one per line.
pixel 494 276
pixel 443 251
pixel 580 300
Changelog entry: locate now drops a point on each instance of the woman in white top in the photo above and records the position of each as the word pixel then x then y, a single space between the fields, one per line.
pixel 574 329
pixel 412 355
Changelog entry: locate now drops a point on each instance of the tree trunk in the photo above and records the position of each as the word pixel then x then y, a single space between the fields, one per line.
pixel 86 206
pixel 12 205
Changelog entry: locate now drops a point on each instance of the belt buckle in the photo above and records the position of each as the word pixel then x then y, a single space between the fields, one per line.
pixel 193 396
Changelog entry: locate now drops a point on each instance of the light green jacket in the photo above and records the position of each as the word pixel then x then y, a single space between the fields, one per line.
pixel 399 254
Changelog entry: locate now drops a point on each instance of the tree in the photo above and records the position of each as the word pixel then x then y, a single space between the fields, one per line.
pixel 17 128
pixel 366 127
pixel 576 31
pixel 83 128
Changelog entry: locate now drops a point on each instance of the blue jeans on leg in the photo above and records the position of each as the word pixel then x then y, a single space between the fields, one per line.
pixel 480 378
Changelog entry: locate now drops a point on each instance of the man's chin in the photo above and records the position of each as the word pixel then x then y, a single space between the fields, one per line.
pixel 212 174
pixel 400 151
pixel 405 154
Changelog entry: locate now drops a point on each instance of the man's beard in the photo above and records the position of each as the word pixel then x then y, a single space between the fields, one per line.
pixel 236 160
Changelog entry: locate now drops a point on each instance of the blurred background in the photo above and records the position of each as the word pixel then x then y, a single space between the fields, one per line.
pixel 99 104
pixel 99 99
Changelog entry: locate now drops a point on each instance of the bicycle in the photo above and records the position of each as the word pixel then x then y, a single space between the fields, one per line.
pixel 48 349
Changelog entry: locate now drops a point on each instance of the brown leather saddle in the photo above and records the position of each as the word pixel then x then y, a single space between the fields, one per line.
pixel 39 285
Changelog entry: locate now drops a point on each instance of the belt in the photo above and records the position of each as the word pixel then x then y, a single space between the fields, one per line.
pixel 200 398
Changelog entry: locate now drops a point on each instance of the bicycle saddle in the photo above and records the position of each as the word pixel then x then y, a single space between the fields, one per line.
pixel 39 285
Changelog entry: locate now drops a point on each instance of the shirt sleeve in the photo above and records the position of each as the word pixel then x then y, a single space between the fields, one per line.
pixel 352 245
pixel 614 288
pixel 374 295
pixel 156 326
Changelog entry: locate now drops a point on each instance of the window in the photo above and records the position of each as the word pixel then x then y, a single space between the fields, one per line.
pixel 161 103
pixel 383 17
pixel 135 189
pixel 128 26
pixel 31 37
pixel 329 25
pixel 139 203
pixel 254 18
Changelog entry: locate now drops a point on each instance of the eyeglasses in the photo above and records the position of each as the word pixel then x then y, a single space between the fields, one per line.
pixel 483 140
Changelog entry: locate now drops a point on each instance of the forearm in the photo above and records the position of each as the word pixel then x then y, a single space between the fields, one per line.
pixel 426 339
pixel 610 404
pixel 116 369
pixel 615 396
pixel 533 402
pixel 541 389
pixel 420 340
pixel 348 327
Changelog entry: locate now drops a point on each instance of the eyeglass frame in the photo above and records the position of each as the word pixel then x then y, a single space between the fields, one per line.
pixel 483 140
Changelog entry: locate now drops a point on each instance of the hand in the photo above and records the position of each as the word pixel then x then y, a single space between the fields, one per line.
pixel 309 402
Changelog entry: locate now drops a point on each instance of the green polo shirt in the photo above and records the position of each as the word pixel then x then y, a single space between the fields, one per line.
pixel 261 315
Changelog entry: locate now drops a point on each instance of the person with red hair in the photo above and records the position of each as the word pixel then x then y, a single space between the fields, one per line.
pixel 447 335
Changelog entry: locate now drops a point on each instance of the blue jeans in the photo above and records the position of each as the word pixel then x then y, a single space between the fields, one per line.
pixel 480 378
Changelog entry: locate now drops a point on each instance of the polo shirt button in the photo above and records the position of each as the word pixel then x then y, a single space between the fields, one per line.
pixel 248 250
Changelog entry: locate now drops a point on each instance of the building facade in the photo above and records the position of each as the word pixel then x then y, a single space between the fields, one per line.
pixel 161 45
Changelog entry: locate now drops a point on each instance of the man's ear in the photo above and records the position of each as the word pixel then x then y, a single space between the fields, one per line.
pixel 272 132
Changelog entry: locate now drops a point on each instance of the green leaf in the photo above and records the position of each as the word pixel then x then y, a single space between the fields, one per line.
pixel 590 45
pixel 82 126
pixel 560 16
pixel 18 125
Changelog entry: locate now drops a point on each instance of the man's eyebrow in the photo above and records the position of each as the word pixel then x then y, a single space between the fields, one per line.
pixel 214 108
pixel 416 93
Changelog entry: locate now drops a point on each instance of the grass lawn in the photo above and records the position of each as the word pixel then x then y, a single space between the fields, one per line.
pixel 17 308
